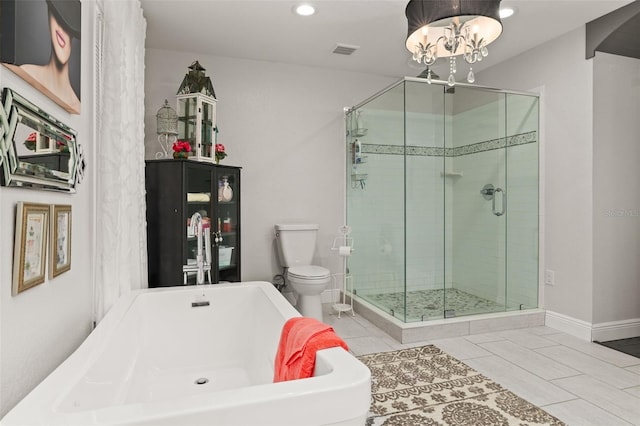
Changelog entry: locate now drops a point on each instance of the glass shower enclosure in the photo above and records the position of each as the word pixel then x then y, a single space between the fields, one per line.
pixel 442 199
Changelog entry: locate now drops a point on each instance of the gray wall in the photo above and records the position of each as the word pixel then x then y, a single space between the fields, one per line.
pixel 283 124
pixel 41 327
pixel 616 194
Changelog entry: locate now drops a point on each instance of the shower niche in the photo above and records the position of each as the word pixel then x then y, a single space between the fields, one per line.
pixel 452 174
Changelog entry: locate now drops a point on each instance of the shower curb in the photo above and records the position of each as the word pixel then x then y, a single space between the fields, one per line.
pixel 449 327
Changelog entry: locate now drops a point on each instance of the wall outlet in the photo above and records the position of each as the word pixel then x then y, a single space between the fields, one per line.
pixel 549 277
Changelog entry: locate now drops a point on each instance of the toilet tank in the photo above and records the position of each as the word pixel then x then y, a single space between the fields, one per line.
pixel 296 243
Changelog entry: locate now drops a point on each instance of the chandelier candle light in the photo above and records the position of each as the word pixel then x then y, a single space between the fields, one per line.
pixel 448 28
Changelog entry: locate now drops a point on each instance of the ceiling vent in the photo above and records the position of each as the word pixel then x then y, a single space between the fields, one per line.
pixel 345 49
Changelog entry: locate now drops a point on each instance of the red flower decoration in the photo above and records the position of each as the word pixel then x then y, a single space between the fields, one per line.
pixel 182 146
pixel 219 150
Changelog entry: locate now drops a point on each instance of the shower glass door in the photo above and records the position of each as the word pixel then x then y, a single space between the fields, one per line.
pixel 522 220
pixel 476 199
pixel 375 201
pixel 425 183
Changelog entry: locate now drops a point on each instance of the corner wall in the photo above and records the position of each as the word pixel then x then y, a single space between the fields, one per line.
pixel 284 125
pixel 616 210
pixel 42 326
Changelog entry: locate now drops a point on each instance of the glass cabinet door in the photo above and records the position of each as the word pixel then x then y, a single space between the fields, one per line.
pixel 228 223
pixel 198 200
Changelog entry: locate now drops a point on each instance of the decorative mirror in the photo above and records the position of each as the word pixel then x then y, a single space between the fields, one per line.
pixel 37 150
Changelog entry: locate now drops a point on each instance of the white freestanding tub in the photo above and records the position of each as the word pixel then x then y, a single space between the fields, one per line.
pixel 144 362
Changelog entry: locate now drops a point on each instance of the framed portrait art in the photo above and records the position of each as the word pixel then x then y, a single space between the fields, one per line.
pixel 40 42
pixel 30 249
pixel 60 258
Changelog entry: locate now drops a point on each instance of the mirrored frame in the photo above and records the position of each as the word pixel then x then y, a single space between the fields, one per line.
pixel 37 150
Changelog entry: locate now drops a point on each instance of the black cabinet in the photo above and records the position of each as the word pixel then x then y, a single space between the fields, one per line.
pixel 176 189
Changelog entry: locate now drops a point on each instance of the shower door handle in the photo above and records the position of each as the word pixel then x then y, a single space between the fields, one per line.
pixel 504 202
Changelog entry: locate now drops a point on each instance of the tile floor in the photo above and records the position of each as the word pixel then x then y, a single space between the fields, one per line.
pixel 579 382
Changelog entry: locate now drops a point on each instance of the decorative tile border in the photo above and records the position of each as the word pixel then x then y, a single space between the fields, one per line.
pixel 368 148
pixel 523 138
pixel 474 148
pixel 520 139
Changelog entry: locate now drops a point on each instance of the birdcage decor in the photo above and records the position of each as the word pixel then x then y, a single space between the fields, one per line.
pixel 167 129
pixel 196 108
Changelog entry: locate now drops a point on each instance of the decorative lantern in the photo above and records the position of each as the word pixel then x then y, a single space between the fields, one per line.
pixel 197 113
pixel 167 129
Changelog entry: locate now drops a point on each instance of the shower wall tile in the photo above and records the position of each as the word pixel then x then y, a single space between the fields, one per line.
pixel 483 123
pixel 479 235
pixel 383 127
pixel 425 222
pixel 424 130
pixel 522 114
pixel 447 151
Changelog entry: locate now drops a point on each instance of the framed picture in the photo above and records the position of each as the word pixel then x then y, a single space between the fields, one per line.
pixel 40 42
pixel 30 249
pixel 60 258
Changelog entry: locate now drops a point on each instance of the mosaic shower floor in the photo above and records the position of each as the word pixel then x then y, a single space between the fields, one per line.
pixel 429 304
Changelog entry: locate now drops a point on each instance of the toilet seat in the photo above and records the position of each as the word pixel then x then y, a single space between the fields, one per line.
pixel 309 272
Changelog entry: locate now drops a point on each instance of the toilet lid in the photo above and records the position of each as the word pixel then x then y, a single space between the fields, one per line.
pixel 309 271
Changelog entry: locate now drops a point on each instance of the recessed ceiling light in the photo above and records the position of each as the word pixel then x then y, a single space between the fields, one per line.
pixel 505 12
pixel 305 10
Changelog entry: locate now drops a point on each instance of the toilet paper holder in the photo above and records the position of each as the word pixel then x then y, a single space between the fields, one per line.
pixel 343 244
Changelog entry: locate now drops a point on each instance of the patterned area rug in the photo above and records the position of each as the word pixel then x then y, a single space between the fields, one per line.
pixel 426 387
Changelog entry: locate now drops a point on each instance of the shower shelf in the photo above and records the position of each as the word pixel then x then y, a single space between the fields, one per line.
pixel 358 132
pixel 359 176
pixel 451 174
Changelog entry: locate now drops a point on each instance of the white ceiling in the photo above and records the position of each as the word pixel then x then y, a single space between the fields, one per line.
pixel 268 30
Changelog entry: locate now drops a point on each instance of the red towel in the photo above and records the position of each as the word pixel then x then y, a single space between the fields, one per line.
pixel 300 339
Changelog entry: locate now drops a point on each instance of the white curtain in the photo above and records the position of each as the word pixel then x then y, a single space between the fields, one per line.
pixel 121 246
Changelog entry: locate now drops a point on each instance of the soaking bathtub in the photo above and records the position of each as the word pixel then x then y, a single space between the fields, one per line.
pixel 195 355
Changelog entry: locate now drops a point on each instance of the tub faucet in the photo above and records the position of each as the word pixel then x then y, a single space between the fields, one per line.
pixel 196 228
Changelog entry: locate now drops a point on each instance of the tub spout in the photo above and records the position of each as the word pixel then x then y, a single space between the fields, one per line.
pixel 202 265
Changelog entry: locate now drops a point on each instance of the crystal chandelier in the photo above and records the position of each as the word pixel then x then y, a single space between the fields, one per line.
pixel 448 28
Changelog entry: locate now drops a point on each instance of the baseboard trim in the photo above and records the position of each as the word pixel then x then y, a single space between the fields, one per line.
pixel 566 324
pixel 614 330
pixel 601 332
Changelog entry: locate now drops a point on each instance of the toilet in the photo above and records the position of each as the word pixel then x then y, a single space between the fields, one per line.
pixel 296 244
